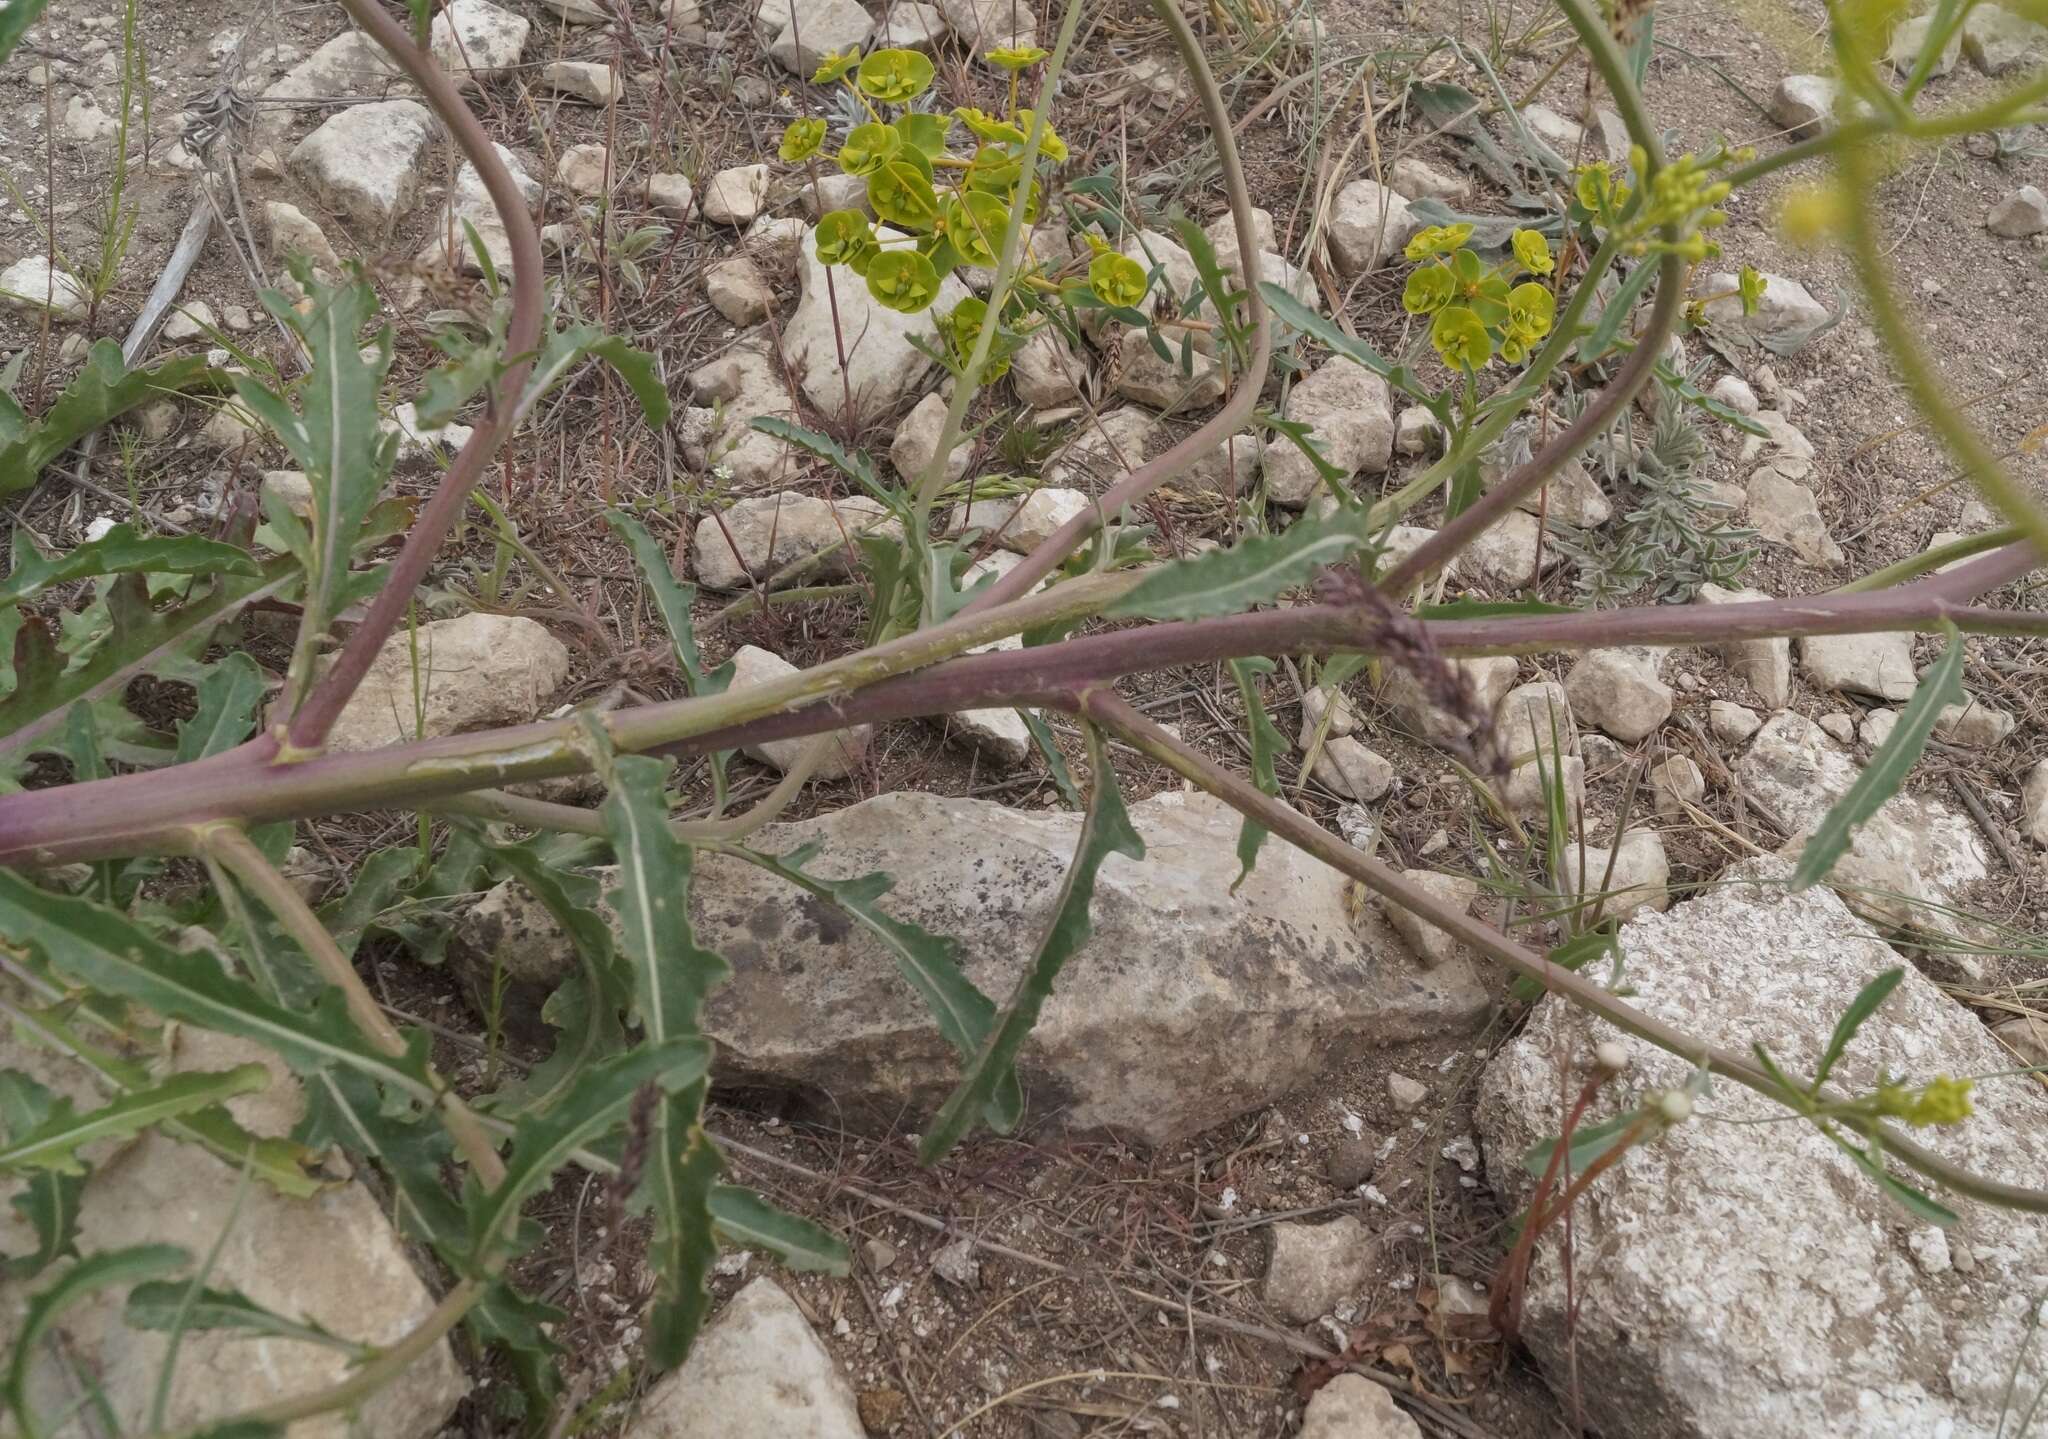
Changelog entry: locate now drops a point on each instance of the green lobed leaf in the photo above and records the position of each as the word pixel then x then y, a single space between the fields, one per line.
pixel 124 549
pixel 95 946
pixel 1267 745
pixel 447 388
pixel 1860 1009
pixel 672 976
pixel 15 18
pixel 228 697
pixel 108 1269
pixel 1257 569
pixel 103 389
pixel 543 1143
pixel 1886 773
pixel 164 1304
pixel 929 962
pixel 747 1220
pixel 48 1201
pixel 54 1143
pixel 1105 831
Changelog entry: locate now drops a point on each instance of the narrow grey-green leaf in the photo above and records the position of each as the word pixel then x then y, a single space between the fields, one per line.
pixel 49 1201
pixel 88 1276
pixel 543 1143
pixel 121 550
pixel 1107 830
pixel 95 946
pixel 1267 745
pixel 54 1144
pixel 1254 571
pixel 1601 338
pixel 672 976
pixel 747 1220
pixel 856 465
pixel 1290 311
pixel 673 599
pixel 228 697
pixel 164 1304
pixel 1860 1009
pixel 1886 773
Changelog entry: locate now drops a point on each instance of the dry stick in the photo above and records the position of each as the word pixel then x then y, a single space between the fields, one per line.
pixel 1110 710
pixel 1226 422
pixel 235 852
pixel 309 726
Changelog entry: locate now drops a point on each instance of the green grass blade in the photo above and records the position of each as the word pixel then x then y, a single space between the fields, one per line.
pixel 1267 745
pixel 1107 830
pixel 1860 1009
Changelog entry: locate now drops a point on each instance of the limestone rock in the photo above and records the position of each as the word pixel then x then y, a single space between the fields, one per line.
pixel 189 321
pixel 1974 723
pixel 1786 313
pixel 579 12
pixel 474 671
pixel 917 441
pixel 1734 392
pixel 1349 768
pixel 1996 39
pixel 671 195
pixel 469 203
pixel 1575 497
pixel 825 27
pixel 364 161
pixel 1416 179
pixel 1021 523
pixel 1350 415
pixel 742 384
pixel 1222 231
pixel 1047 371
pixel 1525 790
pixel 1839 727
pixel 738 291
pixel 883 367
pixel 2034 804
pixel 1804 105
pixel 1485 680
pixel 1910 38
pixel 1106 449
pixel 984 25
pixel 1677 782
pixel 293 232
pixel 1312 1268
pixel 1351 1406
pixel 911 25
pixel 1416 431
pixel 1786 513
pixel 1638 879
pixel 1617 690
pixel 735 196
pixel 1764 664
pixel 1878 726
pixel 1431 945
pixel 1369 226
pixel 582 80
pixel 476 40
pixel 753 665
pixel 1752 1281
pixel 1914 853
pixel 32 283
pixel 1142 376
pixel 1533 719
pixel 1880 665
pixel 85 122
pixel 758 536
pixel 758 1371
pixel 1504 555
pixel 2022 213
pixel 1155 1032
pixel 1232 468
pixel 349 65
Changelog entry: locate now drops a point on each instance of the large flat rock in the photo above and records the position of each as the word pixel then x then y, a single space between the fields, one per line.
pixel 1190 1004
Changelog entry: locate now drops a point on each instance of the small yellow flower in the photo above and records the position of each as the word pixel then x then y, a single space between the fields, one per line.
pixel 801 140
pixel 1437 240
pixel 1533 251
pixel 1015 57
pixel 834 67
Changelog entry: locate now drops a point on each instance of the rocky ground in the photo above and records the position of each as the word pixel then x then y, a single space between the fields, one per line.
pixel 1266 1127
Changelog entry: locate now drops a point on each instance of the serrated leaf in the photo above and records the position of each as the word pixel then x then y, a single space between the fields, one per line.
pixel 141 639
pixel 164 1304
pixel 105 1270
pixel 48 1201
pixel 1267 745
pixel 748 1221
pixel 54 1143
pixel 929 962
pixel 673 599
pixel 95 946
pixel 121 550
pixel 447 388
pixel 1105 831
pixel 1886 773
pixel 1860 1009
pixel 102 390
pixel 856 465
pixel 672 976
pixel 1257 569
pixel 585 1008
pixel 543 1143
pixel 569 347
pixel 228 697
pixel 1055 762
